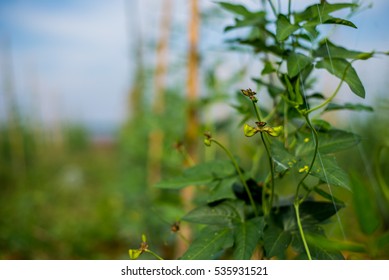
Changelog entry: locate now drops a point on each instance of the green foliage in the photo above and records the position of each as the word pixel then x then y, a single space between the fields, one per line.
pixel 295 153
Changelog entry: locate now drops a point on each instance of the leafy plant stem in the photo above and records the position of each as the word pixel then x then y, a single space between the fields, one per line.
pixel 269 157
pixel 241 177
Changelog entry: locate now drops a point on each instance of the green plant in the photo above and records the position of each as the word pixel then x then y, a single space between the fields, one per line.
pixel 276 208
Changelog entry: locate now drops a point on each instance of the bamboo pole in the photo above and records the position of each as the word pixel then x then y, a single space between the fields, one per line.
pixel 192 128
pixel 156 136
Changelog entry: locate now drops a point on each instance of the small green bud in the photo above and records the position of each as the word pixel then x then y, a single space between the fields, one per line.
pixel 207 139
pixel 249 130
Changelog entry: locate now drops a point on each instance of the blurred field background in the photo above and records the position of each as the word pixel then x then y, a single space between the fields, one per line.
pixel 101 99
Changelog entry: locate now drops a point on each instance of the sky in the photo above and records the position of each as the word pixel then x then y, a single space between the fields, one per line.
pixel 72 60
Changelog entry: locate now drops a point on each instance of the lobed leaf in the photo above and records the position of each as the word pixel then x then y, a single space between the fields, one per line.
pixel 342 69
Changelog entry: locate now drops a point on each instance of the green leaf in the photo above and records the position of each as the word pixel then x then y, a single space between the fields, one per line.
pixel 319 253
pixel 296 62
pixel 208 245
pixel 247 236
pixel 313 212
pixel 327 169
pixel 333 245
pixel 330 141
pixel 225 213
pixel 283 160
pixel 366 211
pixel 200 175
pixel 254 20
pixel 342 69
pixel 268 68
pixel 221 189
pixel 328 196
pixel 236 9
pixel 339 21
pixel 328 49
pixel 276 241
pixel 321 11
pixel 348 106
pixel 284 28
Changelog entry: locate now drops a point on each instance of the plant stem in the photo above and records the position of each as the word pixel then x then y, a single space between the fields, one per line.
pixel 154 254
pixel 300 227
pixel 239 173
pixel 269 157
pixel 297 200
pixel 316 139
pixel 273 7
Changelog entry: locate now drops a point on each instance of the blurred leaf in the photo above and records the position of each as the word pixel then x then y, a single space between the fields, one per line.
pixel 247 236
pixel 273 90
pixel 221 189
pixel 255 19
pixel 199 175
pixel 321 125
pixel 236 9
pixel 284 28
pixel 296 62
pixel 321 10
pixel 225 213
pixel 333 245
pixel 210 242
pixel 339 21
pixel 328 196
pixel 268 68
pixel 367 214
pixel 342 69
pixel 329 49
pixel 348 106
